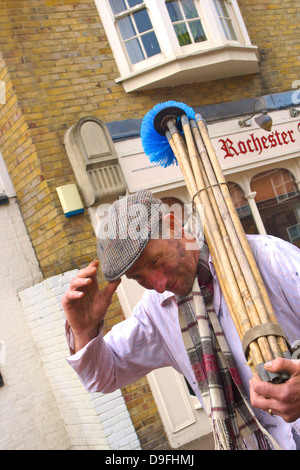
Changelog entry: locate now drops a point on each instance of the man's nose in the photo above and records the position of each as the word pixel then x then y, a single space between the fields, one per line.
pixel 158 282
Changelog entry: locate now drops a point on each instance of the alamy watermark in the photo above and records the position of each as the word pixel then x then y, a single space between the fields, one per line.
pixel 139 221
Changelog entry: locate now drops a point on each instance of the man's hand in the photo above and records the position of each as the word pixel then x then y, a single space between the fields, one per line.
pixel 282 399
pixel 85 306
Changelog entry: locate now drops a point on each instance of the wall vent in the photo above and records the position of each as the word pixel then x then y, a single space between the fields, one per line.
pixel 94 160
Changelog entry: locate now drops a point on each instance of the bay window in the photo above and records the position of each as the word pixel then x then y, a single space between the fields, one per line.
pixel 159 43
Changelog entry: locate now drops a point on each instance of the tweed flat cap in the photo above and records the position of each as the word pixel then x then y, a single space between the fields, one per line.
pixel 125 231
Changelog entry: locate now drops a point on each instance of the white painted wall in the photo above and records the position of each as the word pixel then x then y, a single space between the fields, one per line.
pixel 93 421
pixel 30 417
pixel 43 405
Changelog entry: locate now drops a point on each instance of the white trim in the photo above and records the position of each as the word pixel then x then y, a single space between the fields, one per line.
pixel 211 22
pixel 164 30
pixel 215 63
pixel 6 186
pixel 239 22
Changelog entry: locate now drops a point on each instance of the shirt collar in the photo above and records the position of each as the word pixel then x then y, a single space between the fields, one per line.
pixel 164 297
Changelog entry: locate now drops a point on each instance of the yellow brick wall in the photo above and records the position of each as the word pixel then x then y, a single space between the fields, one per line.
pixel 33 145
pixel 273 25
pixel 58 67
pixel 59 243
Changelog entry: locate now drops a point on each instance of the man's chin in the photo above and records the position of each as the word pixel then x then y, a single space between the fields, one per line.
pixel 182 286
pixel 182 290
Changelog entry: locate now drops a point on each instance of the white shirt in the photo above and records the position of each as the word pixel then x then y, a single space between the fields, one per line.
pixel 151 337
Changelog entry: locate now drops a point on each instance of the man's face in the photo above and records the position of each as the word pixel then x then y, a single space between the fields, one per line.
pixel 166 265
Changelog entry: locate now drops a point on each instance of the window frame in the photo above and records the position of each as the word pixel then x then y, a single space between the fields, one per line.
pixel 231 18
pixel 143 74
pixel 285 178
pixel 187 22
pixel 130 13
pixel 290 232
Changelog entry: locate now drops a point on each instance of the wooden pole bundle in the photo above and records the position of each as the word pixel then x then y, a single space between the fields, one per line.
pixel 240 280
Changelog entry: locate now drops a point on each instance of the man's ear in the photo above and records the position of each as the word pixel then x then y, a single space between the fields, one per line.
pixel 172 227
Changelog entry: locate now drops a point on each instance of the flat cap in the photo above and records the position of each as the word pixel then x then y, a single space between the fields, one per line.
pixel 125 231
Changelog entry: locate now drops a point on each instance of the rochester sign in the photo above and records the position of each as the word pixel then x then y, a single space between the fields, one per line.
pixel 245 147
pixel 234 150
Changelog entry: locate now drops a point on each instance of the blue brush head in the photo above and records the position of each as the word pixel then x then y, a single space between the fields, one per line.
pixel 156 145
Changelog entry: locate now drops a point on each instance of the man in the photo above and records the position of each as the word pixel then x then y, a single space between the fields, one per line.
pixel 137 240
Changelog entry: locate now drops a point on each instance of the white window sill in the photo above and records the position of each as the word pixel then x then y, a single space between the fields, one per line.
pixel 224 61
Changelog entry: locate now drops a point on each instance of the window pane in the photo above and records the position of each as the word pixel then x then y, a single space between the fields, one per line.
pixel 277 199
pixel 186 21
pixel 225 20
pixel 150 44
pixel 223 23
pixel 231 30
pixel 294 233
pixel 126 27
pixel 242 207
pixel 223 8
pixel 137 33
pixel 197 31
pixel 132 3
pixel 174 11
pixel 182 34
pixel 142 21
pixel 134 51
pixel 189 8
pixel 117 6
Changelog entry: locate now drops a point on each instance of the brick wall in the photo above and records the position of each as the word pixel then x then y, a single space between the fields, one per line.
pixel 43 406
pixel 144 415
pixel 35 169
pixel 273 26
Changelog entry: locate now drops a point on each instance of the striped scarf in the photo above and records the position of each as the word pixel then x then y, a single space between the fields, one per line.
pixel 234 424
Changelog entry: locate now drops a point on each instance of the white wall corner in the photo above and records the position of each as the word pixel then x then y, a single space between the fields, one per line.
pixel 93 421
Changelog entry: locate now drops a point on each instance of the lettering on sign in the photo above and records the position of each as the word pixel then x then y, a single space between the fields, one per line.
pixel 256 144
pixel 246 147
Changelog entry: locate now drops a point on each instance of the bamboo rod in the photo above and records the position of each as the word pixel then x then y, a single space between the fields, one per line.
pixel 220 177
pixel 220 244
pixel 233 275
pixel 212 235
pixel 279 344
pixel 231 294
pixel 244 276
